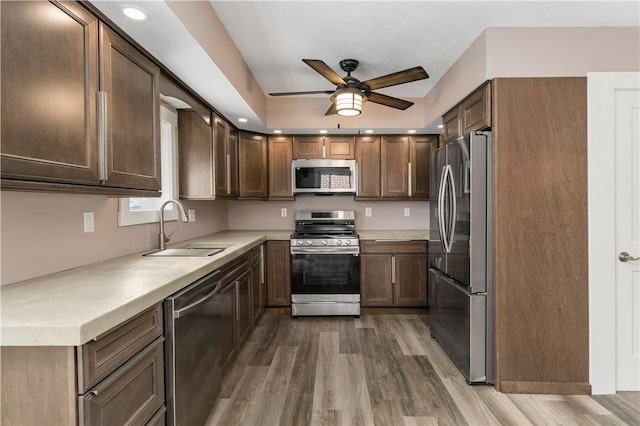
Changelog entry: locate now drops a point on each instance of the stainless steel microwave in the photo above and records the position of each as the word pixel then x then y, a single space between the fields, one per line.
pixel 323 176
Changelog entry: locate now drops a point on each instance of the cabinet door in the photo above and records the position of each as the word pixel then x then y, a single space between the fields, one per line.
pixel 368 161
pixel 279 163
pixel 395 166
pixel 375 280
pixel 451 125
pixel 340 147
pixel 129 396
pixel 253 166
pixel 475 110
pixel 421 148
pixel 278 273
pixel 244 311
pixel 49 80
pixel 132 86
pixel 227 324
pixel 196 157
pixel 410 280
pixel 308 147
pixel 221 159
pixel 257 289
pixel 232 165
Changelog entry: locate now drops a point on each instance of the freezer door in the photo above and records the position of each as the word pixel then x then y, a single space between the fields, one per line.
pixel 458 323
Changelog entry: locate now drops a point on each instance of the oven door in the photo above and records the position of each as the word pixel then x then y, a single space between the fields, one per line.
pixel 325 273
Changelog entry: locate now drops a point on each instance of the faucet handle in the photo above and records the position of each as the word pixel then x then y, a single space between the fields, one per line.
pixel 167 238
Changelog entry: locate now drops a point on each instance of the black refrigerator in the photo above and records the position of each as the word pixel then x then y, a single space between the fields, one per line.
pixel 461 254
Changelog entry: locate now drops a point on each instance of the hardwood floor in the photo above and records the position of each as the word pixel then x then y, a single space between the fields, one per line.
pixel 382 370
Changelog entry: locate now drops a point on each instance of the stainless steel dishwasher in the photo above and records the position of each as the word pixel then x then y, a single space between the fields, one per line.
pixel 192 351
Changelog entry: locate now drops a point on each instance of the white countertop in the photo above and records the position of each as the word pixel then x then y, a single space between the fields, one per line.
pixel 70 308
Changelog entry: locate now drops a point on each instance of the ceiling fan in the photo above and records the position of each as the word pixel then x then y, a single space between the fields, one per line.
pixel 350 93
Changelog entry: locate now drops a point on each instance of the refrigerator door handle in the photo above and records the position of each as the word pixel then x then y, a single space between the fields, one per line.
pixel 441 194
pixel 453 212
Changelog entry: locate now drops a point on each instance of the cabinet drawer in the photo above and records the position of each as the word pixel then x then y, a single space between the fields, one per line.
pixel 257 254
pixel 131 395
pixel 232 270
pixel 100 357
pixel 392 247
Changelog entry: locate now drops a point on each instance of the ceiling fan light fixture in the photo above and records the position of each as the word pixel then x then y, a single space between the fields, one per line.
pixel 348 101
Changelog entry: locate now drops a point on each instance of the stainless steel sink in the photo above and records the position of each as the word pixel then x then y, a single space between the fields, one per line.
pixel 188 252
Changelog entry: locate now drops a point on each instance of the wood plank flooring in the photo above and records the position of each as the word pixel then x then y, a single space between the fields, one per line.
pixel 380 370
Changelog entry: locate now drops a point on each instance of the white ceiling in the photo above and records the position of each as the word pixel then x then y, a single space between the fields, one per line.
pixel 385 36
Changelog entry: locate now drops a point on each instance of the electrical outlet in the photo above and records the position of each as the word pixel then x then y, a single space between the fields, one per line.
pixel 89 222
pixel 367 211
pixel 191 213
pixel 407 211
pixel 283 212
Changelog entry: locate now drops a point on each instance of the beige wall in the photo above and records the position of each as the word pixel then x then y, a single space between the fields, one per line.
pixel 42 233
pixel 534 52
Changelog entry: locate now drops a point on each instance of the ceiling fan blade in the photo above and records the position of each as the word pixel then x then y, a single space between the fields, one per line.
pixel 389 101
pixel 325 70
pixel 332 109
pixel 312 92
pixel 400 77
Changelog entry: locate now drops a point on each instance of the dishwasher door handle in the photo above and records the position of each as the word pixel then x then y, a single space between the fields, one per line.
pixel 184 311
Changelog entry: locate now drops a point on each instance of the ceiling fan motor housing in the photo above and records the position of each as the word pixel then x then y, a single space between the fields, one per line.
pixel 348 65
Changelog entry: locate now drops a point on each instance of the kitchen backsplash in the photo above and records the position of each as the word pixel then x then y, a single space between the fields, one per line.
pixel 42 233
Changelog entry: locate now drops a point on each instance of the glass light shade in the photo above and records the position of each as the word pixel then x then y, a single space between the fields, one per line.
pixel 348 103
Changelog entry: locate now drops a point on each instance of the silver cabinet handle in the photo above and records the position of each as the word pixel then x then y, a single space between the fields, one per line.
pixel 393 269
pixel 228 174
pixel 626 257
pixel 102 136
pixel 409 179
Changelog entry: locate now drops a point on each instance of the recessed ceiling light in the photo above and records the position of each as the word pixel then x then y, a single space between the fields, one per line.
pixel 134 13
pixel 323 131
pixel 242 120
pixel 368 131
pixel 411 131
pixel 277 131
pixel 440 126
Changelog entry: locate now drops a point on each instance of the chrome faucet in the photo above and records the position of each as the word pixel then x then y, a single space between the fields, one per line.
pixel 163 238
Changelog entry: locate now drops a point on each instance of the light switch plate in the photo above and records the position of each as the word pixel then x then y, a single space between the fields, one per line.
pixel 89 222
pixel 407 211
pixel 191 213
pixel 367 211
pixel 283 212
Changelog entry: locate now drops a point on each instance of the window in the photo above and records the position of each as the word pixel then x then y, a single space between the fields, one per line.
pixel 135 211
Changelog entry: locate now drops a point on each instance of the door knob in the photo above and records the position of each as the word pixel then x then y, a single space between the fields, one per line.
pixel 626 257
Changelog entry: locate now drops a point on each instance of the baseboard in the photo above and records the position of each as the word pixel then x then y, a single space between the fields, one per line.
pixel 560 388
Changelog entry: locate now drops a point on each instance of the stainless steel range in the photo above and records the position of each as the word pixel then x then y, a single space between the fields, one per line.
pixel 325 264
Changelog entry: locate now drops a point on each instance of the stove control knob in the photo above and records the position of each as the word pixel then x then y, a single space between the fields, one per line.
pixel 324 242
pixel 348 242
pixel 300 242
pixel 309 242
pixel 339 242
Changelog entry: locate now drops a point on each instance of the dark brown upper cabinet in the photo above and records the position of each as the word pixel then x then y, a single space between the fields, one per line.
pixel 253 166
pixel 225 142
pixel 195 147
pixel 421 147
pixel 473 113
pixel 77 108
pixel 368 161
pixel 314 147
pixel 395 167
pixel 280 154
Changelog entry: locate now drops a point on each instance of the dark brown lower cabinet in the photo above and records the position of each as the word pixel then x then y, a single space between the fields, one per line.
pixel 278 273
pixel 131 395
pixel 244 312
pixel 257 283
pixel 227 324
pixel 393 274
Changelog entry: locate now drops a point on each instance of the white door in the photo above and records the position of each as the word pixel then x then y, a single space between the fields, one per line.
pixel 627 145
pixel 614 227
